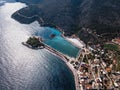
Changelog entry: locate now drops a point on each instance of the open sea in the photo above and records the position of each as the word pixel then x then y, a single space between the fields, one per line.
pixel 22 68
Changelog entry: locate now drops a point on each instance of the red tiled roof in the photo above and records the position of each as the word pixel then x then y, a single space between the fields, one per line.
pixel 118 40
pixel 88 86
pixel 108 69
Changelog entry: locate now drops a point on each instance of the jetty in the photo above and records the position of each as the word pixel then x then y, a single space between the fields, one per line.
pixel 37 43
pixel 66 59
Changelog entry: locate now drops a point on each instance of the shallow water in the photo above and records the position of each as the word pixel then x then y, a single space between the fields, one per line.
pixel 58 42
pixel 22 68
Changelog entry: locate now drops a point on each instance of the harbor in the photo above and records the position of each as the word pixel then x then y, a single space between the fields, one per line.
pixel 89 73
pixel 67 59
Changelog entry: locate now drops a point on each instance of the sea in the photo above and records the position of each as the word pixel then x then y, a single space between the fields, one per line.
pixel 22 68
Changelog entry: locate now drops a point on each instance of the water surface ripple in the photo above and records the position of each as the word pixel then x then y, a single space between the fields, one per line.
pixel 22 68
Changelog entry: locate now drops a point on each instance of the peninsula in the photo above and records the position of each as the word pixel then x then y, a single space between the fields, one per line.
pixel 34 43
pixel 90 68
pixel 97 65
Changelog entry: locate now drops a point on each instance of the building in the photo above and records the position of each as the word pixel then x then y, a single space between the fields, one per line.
pixel 116 41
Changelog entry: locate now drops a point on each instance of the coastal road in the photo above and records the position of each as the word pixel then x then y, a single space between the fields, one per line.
pixel 30 17
pixel 65 59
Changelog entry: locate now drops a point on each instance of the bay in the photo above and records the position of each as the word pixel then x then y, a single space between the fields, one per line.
pixel 22 68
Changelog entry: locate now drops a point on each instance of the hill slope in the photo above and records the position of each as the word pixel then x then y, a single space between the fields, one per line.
pixel 72 15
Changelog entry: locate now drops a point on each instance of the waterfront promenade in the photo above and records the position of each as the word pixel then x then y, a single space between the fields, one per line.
pixel 67 60
pixel 64 57
pixel 78 43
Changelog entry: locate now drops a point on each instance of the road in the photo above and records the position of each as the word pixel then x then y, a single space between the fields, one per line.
pixel 30 17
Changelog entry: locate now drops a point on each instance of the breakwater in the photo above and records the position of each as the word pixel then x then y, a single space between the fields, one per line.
pixel 66 59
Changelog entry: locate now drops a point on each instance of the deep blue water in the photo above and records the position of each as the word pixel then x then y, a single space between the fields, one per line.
pixel 58 42
pixel 22 68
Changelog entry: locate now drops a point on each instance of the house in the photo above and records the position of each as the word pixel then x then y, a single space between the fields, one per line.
pixel 116 41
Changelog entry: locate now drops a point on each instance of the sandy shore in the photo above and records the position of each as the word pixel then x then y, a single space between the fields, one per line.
pixel 76 42
pixel 66 59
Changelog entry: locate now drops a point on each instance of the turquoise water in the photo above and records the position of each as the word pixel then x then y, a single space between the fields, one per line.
pixel 22 68
pixel 58 42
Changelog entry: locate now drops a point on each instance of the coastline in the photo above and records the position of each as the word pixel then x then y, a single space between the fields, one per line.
pixel 62 56
pixel 65 60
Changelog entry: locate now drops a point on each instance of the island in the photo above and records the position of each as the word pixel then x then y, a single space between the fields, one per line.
pixel 34 43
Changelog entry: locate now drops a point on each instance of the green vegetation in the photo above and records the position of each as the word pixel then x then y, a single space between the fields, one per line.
pixel 34 42
pixel 118 66
pixel 111 47
pixel 90 56
pixel 72 62
pixel 85 59
pixel 116 51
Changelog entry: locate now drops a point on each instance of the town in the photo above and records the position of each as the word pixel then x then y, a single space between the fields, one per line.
pixel 94 68
pixel 98 68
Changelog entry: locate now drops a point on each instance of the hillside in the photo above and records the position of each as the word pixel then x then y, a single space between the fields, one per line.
pixel 72 15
